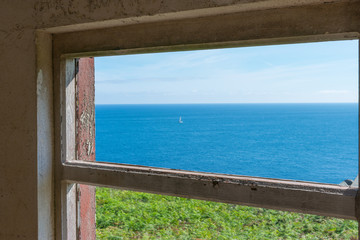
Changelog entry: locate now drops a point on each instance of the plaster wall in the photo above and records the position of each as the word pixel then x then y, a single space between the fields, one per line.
pixel 25 95
pixel 26 177
pixel 26 99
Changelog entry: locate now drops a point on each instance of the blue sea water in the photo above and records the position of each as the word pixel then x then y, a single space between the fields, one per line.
pixel 310 142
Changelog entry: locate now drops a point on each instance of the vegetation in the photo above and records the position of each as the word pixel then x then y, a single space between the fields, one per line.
pixel 132 215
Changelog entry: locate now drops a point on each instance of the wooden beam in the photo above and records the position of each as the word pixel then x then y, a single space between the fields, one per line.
pixel 304 197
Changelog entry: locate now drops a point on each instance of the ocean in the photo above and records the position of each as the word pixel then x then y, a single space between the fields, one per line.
pixel 308 142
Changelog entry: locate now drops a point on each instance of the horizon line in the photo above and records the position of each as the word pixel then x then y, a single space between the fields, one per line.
pixel 226 103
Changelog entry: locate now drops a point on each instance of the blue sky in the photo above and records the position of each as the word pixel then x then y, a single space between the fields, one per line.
pixel 296 73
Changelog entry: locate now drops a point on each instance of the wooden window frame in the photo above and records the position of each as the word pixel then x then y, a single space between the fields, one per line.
pixel 338 20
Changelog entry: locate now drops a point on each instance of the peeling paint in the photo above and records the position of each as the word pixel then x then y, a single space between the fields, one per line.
pixel 85 109
pixel 85 141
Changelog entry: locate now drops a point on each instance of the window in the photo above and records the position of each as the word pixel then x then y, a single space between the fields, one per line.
pixel 284 111
pixel 257 27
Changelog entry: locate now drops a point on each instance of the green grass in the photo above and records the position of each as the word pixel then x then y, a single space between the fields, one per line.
pixel 132 215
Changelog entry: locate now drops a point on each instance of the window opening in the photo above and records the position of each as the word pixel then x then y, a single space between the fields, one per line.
pixel 286 111
pixel 231 30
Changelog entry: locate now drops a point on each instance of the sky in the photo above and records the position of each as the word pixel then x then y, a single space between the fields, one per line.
pixel 324 72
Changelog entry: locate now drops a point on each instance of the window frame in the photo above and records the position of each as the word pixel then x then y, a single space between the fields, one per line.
pixel 215 30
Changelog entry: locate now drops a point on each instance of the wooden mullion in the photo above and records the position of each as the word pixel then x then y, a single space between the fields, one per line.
pixel 296 196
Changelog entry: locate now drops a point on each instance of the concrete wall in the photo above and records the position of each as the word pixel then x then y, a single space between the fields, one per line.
pixel 25 152
pixel 26 194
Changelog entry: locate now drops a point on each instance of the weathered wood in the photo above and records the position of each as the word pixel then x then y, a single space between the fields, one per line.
pixel 68 211
pixel 64 146
pixel 304 197
pixel 85 143
pixel 85 109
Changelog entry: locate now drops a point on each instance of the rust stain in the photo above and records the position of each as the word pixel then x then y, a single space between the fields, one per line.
pixel 85 142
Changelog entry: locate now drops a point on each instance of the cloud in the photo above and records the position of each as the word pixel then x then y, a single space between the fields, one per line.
pixel 334 92
pixel 229 75
pixel 141 79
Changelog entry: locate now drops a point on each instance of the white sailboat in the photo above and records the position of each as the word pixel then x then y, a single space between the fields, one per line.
pixel 180 121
